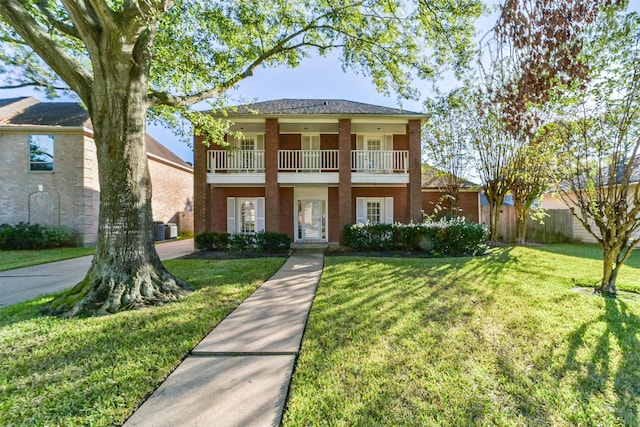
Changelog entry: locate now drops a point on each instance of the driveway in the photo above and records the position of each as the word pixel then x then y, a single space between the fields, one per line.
pixel 23 284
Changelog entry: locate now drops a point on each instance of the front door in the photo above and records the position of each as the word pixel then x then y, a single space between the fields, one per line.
pixel 311 220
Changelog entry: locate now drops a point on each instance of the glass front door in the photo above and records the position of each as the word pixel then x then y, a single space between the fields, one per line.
pixel 311 220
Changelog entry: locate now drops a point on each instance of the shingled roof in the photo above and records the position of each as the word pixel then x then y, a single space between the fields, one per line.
pixel 283 107
pixel 28 111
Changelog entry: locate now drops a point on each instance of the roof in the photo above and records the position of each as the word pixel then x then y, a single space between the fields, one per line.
pixel 297 107
pixel 49 114
pixel 28 111
pixel 435 178
pixel 156 149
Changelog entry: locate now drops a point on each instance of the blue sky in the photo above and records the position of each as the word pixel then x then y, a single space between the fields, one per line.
pixel 318 77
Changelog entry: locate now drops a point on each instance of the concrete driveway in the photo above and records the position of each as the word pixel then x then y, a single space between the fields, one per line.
pixel 23 284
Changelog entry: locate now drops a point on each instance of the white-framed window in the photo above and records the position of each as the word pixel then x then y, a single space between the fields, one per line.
pixel 374 210
pixel 245 215
pixel 41 153
pixel 374 152
pixel 247 153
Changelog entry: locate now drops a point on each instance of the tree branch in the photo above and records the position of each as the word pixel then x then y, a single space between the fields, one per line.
pixel 34 83
pixel 69 30
pixel 71 71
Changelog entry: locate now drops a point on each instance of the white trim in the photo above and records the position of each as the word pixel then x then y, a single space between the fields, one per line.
pixel 386 209
pixel 308 177
pixel 231 215
pixel 311 193
pixel 379 178
pixel 236 178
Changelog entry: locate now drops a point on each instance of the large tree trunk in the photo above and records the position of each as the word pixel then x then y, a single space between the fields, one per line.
pixel 126 271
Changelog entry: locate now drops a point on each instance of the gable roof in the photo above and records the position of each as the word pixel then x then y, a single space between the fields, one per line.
pixel 297 107
pixel 156 149
pixel 433 178
pixel 49 114
pixel 28 111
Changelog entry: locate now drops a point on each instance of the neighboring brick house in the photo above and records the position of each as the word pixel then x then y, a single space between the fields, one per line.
pixel 434 193
pixel 49 171
pixel 307 167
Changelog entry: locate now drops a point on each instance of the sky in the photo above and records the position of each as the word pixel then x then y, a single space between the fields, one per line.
pixel 316 77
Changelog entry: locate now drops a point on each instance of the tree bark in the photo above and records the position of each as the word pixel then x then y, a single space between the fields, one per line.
pixel 610 266
pixel 126 271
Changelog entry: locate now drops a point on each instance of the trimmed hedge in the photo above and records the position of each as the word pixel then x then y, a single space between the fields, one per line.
pixel 263 241
pixel 32 236
pixel 453 236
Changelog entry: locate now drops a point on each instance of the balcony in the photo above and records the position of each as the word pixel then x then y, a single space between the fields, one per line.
pixel 308 166
pixel 235 167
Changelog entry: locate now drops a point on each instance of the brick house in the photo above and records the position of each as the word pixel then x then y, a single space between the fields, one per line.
pixel 434 184
pixel 49 170
pixel 307 167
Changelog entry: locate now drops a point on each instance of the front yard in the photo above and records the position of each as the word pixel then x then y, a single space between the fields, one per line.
pixel 497 340
pixel 96 371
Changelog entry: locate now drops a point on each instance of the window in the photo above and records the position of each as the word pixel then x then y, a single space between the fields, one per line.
pixel 41 152
pixel 374 144
pixel 245 215
pixel 247 154
pixel 374 210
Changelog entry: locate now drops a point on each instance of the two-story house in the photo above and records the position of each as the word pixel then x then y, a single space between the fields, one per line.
pixel 307 167
pixel 49 169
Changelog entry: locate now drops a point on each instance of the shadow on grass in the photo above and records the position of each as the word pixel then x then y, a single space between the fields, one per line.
pixel 596 370
pixel 585 250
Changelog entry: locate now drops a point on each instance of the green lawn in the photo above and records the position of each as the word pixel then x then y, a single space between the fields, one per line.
pixel 497 340
pixel 96 371
pixel 17 259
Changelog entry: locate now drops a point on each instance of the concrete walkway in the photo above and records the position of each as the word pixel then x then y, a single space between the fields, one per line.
pixel 239 374
pixel 26 283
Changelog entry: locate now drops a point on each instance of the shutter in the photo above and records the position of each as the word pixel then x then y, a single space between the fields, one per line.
pixel 361 210
pixel 388 143
pixel 260 214
pixel 360 142
pixel 231 215
pixel 388 210
pixel 259 142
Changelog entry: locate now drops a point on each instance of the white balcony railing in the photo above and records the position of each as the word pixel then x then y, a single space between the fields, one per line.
pixel 252 161
pixel 308 160
pixel 379 161
pixel 237 161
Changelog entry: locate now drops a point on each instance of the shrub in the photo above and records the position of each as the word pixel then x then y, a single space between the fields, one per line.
pixel 32 236
pixel 269 241
pixel 263 241
pixel 453 236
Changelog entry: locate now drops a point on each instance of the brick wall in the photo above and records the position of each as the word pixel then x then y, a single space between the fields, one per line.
pixel 70 196
pixel 399 195
pixel 467 202
pixel 172 190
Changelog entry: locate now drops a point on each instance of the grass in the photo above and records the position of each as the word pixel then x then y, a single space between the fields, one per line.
pixel 17 259
pixel 498 340
pixel 96 371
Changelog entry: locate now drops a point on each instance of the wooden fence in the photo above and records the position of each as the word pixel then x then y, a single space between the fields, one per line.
pixel 556 227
